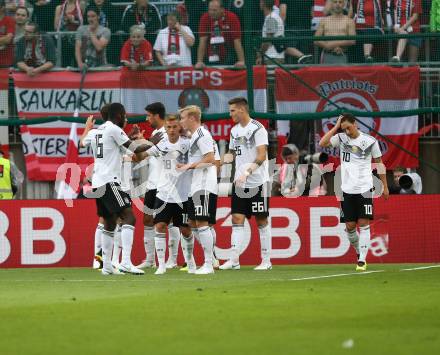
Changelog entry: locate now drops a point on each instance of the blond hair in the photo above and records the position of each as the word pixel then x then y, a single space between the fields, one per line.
pixel 192 110
pixel 171 117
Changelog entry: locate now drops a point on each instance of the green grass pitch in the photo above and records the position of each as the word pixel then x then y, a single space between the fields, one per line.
pixel 289 310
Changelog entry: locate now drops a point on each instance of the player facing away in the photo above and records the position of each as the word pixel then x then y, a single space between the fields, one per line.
pixel 357 150
pixel 107 142
pixel 172 190
pixel 201 203
pixel 155 113
pixel 250 191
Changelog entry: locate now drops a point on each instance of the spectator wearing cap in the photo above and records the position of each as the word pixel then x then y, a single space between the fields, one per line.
pixel 21 17
pixel 144 14
pixel 35 52
pixel 173 43
pixel 220 37
pixel 91 41
pixel 136 52
pixel 7 31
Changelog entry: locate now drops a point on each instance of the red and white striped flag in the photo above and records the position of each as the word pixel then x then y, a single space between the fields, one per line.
pixel 69 173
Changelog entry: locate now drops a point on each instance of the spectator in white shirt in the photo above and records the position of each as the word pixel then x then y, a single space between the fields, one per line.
pixel 173 43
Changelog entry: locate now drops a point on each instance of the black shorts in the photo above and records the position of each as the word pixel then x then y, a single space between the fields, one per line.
pixel 250 201
pixel 213 215
pixel 168 212
pixel 150 199
pixel 98 209
pixel 356 206
pixel 201 206
pixel 112 201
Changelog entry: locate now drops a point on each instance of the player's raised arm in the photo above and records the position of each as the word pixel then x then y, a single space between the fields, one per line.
pixel 382 172
pixel 89 126
pixel 325 140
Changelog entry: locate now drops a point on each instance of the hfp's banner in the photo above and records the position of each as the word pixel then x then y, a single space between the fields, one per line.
pixel 210 89
pixel 369 89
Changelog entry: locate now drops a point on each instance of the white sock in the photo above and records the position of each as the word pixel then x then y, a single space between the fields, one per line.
pixel 116 246
pixel 187 248
pixel 107 246
pixel 205 237
pixel 236 238
pixel 364 242
pixel 160 242
pixel 353 237
pixel 266 242
pixel 195 233
pixel 149 234
pixel 214 240
pixel 98 237
pixel 173 242
pixel 127 234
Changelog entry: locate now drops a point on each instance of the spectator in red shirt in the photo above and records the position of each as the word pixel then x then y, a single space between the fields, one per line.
pixel 7 31
pixel 137 52
pixel 369 21
pixel 220 37
pixel 407 20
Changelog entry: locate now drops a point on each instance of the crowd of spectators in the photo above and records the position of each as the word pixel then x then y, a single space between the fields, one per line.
pixel 201 32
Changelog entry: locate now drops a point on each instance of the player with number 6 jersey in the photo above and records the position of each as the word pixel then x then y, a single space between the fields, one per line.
pixel 357 150
pixel 250 192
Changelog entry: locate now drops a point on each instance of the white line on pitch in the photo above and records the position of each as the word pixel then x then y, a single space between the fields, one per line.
pixel 421 268
pixel 336 275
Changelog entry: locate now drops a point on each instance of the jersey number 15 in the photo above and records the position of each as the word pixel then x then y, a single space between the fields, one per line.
pixel 99 146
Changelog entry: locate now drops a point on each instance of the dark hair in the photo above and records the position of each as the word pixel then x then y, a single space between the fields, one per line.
pixel 268 4
pixel 156 108
pixel 93 8
pixel 23 8
pixel 34 25
pixel 289 149
pixel 241 101
pixel 104 111
pixel 114 110
pixel 400 169
pixel 348 117
pixel 2 3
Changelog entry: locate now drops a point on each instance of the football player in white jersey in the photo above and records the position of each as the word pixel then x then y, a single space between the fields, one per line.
pixel 107 142
pixel 172 189
pixel 357 149
pixel 250 192
pixel 203 183
pixel 155 113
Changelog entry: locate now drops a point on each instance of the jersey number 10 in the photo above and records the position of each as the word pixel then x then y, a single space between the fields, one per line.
pixel 345 156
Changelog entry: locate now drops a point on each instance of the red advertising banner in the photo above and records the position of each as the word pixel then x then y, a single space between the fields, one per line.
pixel 369 89
pixel 305 230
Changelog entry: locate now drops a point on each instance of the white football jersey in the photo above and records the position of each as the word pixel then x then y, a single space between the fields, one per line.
pixel 356 155
pixel 154 166
pixel 107 145
pixel 244 141
pixel 203 179
pixel 173 186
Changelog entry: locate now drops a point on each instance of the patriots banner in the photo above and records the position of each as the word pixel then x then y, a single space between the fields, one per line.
pixel 210 89
pixel 369 89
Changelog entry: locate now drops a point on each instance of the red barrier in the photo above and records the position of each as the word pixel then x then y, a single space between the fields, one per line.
pixel 305 230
